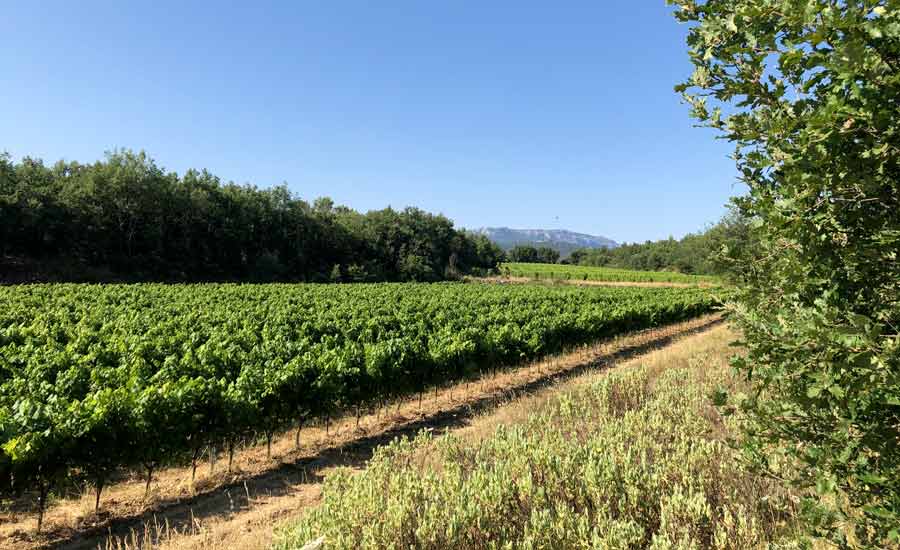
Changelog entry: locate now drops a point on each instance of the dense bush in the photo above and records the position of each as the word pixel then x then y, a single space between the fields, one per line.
pixel 810 94
pixel 126 219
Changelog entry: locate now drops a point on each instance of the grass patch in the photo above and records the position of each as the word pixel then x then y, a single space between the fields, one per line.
pixel 636 458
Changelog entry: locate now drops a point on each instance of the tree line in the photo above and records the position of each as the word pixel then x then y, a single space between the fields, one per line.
pixel 701 253
pixel 696 253
pixel 124 218
pixel 532 255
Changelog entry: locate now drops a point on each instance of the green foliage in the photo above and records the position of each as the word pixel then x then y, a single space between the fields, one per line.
pixel 531 254
pixel 809 93
pixel 95 378
pixel 585 273
pixel 630 461
pixel 696 253
pixel 125 219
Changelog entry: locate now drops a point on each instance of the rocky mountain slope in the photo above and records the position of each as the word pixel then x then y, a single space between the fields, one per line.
pixel 559 239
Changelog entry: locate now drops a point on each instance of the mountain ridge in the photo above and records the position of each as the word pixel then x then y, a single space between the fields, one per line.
pixel 561 240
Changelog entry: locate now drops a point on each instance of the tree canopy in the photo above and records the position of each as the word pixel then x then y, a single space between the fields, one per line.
pixel 695 253
pixel 124 218
pixel 532 254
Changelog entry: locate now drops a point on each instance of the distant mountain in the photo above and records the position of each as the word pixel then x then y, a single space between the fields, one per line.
pixel 559 239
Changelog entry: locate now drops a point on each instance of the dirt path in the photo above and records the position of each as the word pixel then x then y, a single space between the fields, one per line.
pixel 219 508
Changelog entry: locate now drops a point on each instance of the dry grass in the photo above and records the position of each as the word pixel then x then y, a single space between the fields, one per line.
pixel 616 459
pixel 250 529
pixel 237 509
pixel 676 355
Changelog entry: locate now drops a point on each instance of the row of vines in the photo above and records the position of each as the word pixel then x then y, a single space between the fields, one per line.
pixel 607 274
pixel 97 379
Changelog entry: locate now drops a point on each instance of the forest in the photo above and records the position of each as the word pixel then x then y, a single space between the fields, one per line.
pixel 125 219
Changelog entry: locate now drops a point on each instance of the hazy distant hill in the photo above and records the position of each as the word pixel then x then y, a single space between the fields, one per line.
pixel 559 239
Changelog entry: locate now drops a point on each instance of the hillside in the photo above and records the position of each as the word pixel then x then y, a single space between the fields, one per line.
pixel 562 240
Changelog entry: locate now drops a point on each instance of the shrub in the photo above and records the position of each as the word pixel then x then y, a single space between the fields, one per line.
pixel 809 93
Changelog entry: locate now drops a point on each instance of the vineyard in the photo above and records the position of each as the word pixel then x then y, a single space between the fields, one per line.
pixel 608 274
pixel 96 379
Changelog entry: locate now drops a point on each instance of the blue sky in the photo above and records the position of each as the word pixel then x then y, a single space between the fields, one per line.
pixel 516 113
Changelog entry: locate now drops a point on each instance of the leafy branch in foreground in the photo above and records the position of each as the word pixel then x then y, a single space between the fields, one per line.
pixel 809 92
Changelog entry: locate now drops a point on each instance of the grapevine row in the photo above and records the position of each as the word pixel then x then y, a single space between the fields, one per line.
pixel 595 273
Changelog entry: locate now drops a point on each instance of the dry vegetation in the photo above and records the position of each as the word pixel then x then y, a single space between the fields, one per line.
pixel 632 458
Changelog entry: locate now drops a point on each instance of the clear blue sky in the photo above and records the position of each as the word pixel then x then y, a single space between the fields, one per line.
pixel 493 113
